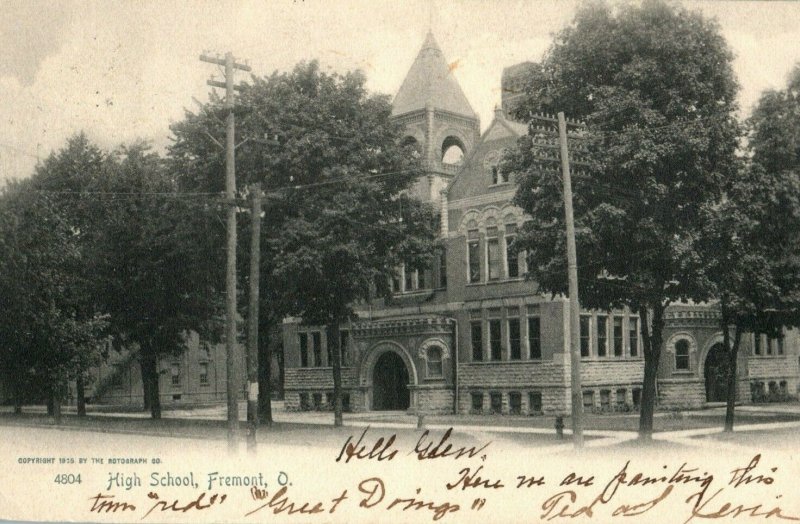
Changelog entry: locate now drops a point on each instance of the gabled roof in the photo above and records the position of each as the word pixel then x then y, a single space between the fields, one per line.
pixel 431 82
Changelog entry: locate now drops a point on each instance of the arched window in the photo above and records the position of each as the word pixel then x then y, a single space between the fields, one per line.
pixel 434 359
pixel 682 354
pixel 453 150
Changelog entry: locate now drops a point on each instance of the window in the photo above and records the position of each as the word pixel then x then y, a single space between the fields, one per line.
pixel 316 339
pixel 476 401
pixel 636 396
pixel 605 400
pixel 303 349
pixel 757 343
pixel 434 360
pixel 346 402
pixel 602 334
pixel 780 344
pixel 473 247
pixel 443 269
pixel 513 339
pixel 495 340
pixel 534 337
pixel 203 373
pixel 682 355
pixel 512 261
pixel 476 334
pixel 304 403
pixel 620 399
pixel 534 402
pixel 176 374
pixel 329 400
pixel 493 253
pixel 585 335
pixel 770 344
pixel 396 288
pixel 617 336
pixel 514 404
pixel 588 400
pixel 317 399
pixel 496 403
pixel 633 335
pixel 344 339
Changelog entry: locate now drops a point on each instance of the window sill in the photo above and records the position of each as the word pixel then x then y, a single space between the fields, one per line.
pixel 520 361
pixel 683 373
pixel 495 282
pixel 612 359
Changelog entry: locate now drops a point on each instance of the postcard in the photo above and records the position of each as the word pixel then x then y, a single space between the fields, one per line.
pixel 425 261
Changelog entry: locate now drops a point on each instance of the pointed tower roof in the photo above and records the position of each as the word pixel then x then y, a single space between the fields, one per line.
pixel 431 82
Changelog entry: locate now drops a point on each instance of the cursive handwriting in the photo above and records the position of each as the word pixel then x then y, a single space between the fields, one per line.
pixel 380 449
pixel 104 503
pixel 425 449
pixel 176 506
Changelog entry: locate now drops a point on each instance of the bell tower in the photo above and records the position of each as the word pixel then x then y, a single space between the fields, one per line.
pixel 437 118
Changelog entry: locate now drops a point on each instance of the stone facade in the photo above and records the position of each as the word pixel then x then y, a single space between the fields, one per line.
pixel 471 334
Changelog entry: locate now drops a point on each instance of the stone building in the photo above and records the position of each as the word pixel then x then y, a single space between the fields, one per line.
pixel 471 334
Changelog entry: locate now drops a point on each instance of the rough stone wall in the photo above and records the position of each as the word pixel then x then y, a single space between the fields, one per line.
pixel 434 400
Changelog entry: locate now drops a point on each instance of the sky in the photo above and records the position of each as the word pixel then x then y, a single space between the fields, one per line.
pixel 124 70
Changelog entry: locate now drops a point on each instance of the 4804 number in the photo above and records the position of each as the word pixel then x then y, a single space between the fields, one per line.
pixel 67 478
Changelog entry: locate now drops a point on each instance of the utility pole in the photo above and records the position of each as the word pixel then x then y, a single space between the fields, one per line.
pixel 252 320
pixel 230 277
pixel 574 306
pixel 545 151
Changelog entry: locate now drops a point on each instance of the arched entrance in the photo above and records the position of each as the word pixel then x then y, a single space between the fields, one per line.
pixel 390 383
pixel 716 374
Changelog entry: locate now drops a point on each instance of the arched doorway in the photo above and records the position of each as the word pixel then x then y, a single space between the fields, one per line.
pixel 390 383
pixel 716 374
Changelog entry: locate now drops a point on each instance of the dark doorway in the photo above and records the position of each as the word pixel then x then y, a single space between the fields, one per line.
pixel 716 374
pixel 390 383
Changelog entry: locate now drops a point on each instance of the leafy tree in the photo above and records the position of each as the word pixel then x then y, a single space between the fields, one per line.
pixel 749 252
pixel 160 266
pixel 46 335
pixel 655 86
pixel 750 242
pixel 337 220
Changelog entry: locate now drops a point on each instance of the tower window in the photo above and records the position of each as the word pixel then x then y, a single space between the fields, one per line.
pixel 452 151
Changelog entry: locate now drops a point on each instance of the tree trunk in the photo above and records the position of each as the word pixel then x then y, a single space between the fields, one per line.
pixel 652 336
pixel 150 370
pixel 81 394
pixel 280 358
pixel 264 378
pixel 733 352
pixel 145 381
pixel 334 338
pixel 18 396
pixel 50 404
pixel 55 402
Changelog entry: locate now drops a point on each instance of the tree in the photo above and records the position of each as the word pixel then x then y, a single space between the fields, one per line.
pixel 337 221
pixel 751 253
pixel 161 262
pixel 655 86
pixel 46 335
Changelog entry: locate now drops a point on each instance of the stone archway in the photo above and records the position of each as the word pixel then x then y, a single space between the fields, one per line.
pixel 715 373
pixel 376 368
pixel 390 380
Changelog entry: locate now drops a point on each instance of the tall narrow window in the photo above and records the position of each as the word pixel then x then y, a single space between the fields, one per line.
pixel 534 337
pixel 618 336
pixel 409 280
pixel 602 335
pixel 443 269
pixel 176 374
pixel 476 334
pixel 512 261
pixel 513 339
pixel 633 335
pixel 203 373
pixel 434 361
pixel 780 344
pixel 493 252
pixel 303 349
pixel 682 355
pixel 585 320
pixel 757 343
pixel 495 340
pixel 474 249
pixel 316 339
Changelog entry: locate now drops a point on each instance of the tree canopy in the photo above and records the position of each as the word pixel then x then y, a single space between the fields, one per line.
pixel 655 87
